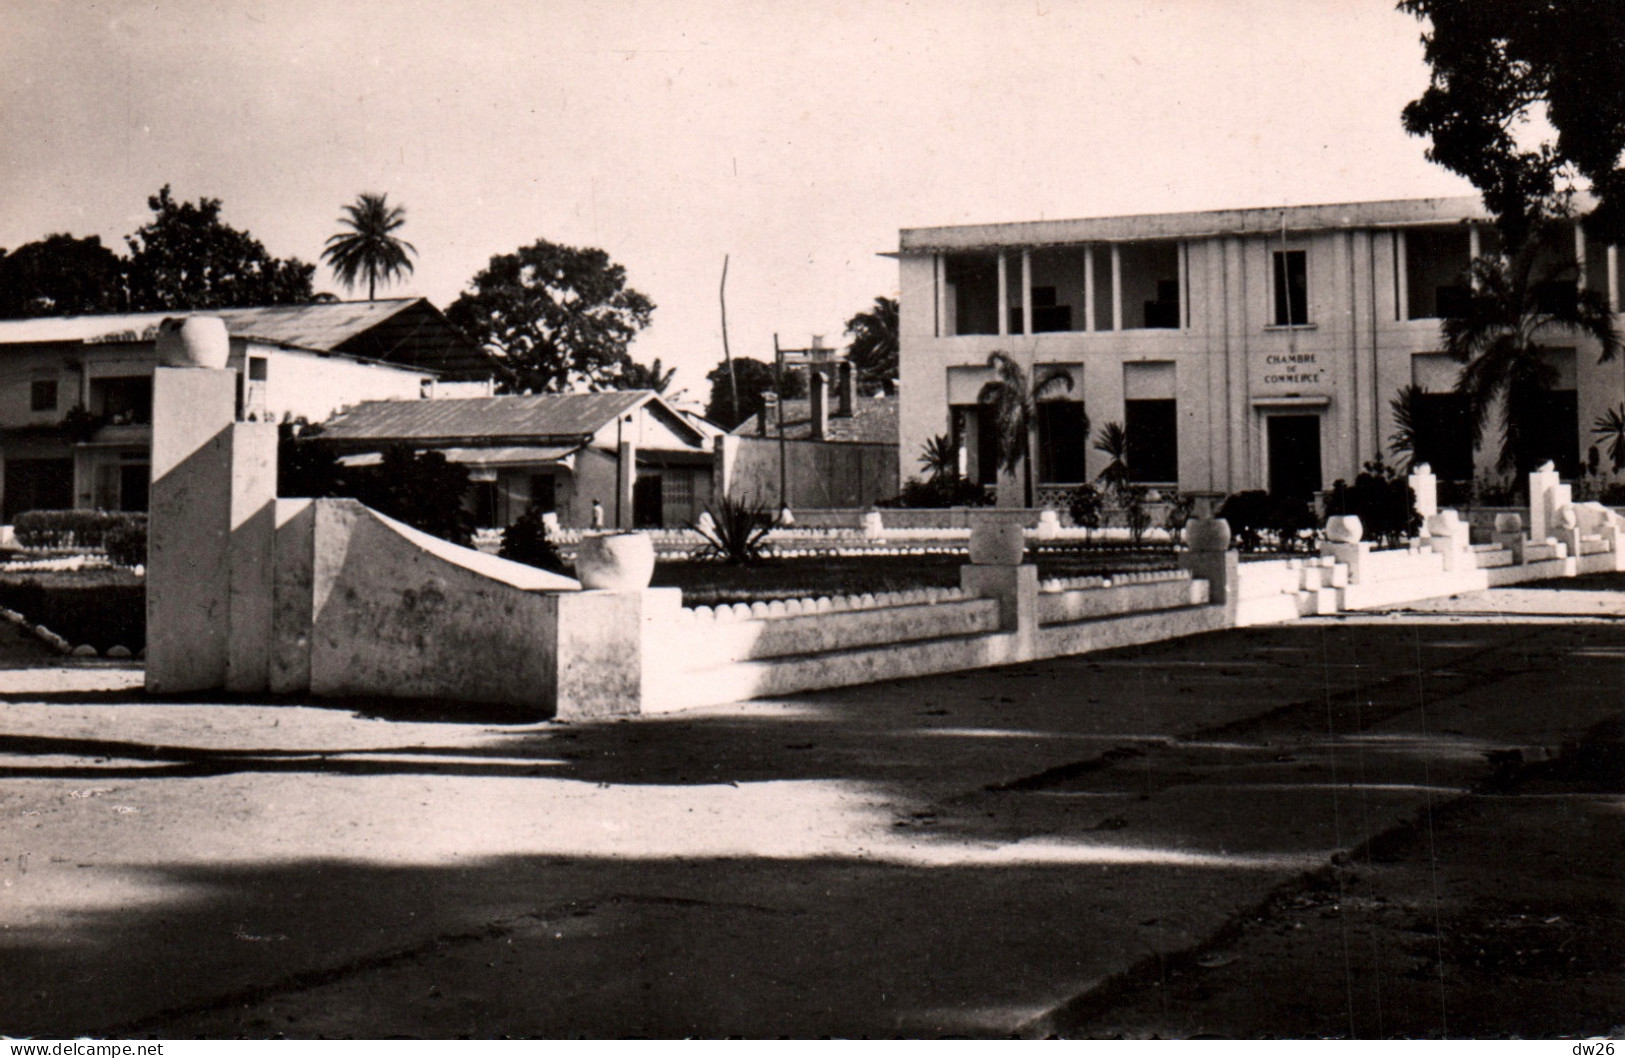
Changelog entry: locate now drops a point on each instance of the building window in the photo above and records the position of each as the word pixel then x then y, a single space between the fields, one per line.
pixel 1149 273
pixel 973 292
pixel 1443 439
pixel 123 400
pixel 1291 282
pixel 1063 439
pixel 256 369
pixel 976 438
pixel 42 395
pixel 1152 427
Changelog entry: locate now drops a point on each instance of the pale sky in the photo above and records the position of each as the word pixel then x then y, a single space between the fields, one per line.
pixel 797 137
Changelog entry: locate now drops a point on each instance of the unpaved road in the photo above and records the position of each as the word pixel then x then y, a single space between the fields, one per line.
pixel 1315 829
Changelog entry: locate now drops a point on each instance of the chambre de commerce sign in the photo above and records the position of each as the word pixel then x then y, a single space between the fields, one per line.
pixel 1291 370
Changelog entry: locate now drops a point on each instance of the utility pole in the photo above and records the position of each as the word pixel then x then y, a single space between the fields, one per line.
pixel 733 379
pixel 778 384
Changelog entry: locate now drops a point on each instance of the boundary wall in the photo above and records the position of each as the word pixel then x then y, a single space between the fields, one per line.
pixel 253 594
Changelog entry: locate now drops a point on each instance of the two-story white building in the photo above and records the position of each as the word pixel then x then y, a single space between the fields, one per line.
pixel 1240 349
pixel 76 391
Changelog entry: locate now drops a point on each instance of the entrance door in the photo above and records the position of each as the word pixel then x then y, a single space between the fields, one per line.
pixel 646 502
pixel 1294 452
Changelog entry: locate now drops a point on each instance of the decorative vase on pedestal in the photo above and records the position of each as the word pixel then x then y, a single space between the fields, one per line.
pixel 622 561
pixel 193 341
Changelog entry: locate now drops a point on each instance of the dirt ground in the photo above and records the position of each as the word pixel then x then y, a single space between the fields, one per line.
pixel 1401 824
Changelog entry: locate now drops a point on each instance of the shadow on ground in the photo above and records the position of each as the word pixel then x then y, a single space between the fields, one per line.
pixel 956 855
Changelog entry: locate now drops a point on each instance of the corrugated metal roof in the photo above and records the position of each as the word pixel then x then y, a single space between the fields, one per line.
pixel 512 455
pixel 320 326
pixel 540 417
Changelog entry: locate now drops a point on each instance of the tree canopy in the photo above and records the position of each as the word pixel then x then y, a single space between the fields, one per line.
pixel 755 379
pixel 187 258
pixel 60 275
pixel 553 318
pixel 874 346
pixel 1498 68
pixel 370 249
pixel 1014 398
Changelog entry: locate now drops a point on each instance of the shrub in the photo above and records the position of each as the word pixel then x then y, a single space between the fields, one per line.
pixel 1254 513
pixel 127 543
pixel 1135 514
pixel 83 529
pixel 1383 502
pixel 1178 516
pixel 939 492
pixel 1084 505
pixel 736 532
pixel 527 541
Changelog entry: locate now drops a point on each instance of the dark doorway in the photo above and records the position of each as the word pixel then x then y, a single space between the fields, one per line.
pixel 1294 450
pixel 133 481
pixel 647 502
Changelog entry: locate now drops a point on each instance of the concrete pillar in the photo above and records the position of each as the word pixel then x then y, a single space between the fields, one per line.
pixel 626 476
pixel 1015 588
pixel 1117 287
pixel 818 404
pixel 1089 287
pixel 1542 484
pixel 1613 278
pixel 1424 494
pixel 1343 544
pixel 1209 557
pixel 847 401
pixel 1026 292
pixel 210 532
pixel 1509 534
pixel 1004 295
pixel 600 660
pixel 1448 535
pixel 1402 292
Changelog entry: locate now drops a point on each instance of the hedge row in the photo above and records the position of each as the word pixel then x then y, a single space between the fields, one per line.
pixel 75 528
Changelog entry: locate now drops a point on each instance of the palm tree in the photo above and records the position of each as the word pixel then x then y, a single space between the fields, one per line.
pixel 1517 300
pixel 1015 411
pixel 1610 427
pixel 1407 408
pixel 1112 441
pixel 370 248
pixel 940 458
pixel 873 350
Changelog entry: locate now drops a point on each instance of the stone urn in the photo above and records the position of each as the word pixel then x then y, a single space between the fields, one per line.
pixel 1049 524
pixel 193 341
pixel 1207 534
pixel 1344 529
pixel 1446 523
pixel 997 543
pixel 1509 523
pixel 1567 518
pixel 615 561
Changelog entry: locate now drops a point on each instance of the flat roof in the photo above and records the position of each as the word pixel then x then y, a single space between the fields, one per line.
pixel 1256 221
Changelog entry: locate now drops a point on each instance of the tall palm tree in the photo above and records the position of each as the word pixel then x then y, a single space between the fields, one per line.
pixel 874 346
pixel 1015 411
pixel 370 248
pixel 1518 300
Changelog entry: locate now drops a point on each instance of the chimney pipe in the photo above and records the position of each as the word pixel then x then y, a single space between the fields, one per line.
pixel 770 410
pixel 820 405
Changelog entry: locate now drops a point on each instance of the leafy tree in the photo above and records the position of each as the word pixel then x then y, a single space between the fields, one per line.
pixel 187 258
pixel 370 249
pixel 553 318
pixel 755 379
pixel 1517 300
pixel 60 276
pixel 422 489
pixel 1015 411
pixel 873 349
pixel 635 375
pixel 1497 64
pixel 527 540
